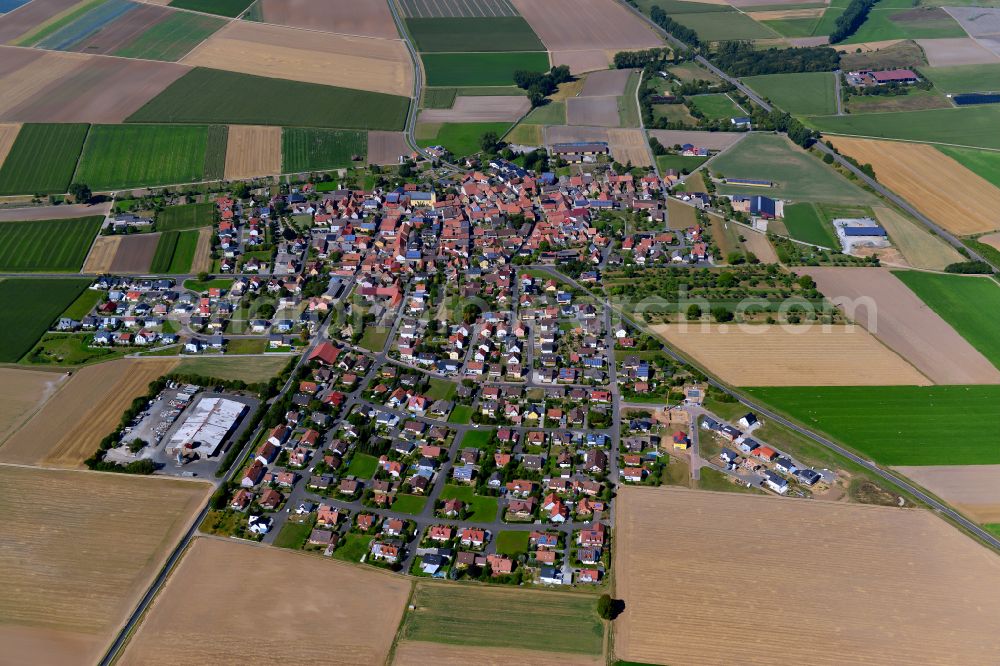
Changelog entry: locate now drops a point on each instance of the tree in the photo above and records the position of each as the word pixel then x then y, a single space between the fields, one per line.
pixel 721 314
pixel 489 142
pixel 81 192
pixel 203 276
pixel 605 605
pixel 694 312
pixel 136 445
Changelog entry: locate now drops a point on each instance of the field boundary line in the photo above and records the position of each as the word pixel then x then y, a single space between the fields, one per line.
pixel 79 158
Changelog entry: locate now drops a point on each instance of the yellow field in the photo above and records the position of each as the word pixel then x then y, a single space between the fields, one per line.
pixel 203 252
pixel 866 46
pixel 839 583
pixel 79 548
pixel 38 75
pixel 102 254
pixel 222 592
pixel 972 489
pixel 419 653
pixel 757 243
pixel 629 145
pixel 680 215
pixel 921 248
pixel 364 63
pixel 253 151
pixel 802 355
pixel 938 186
pixel 21 393
pixel 784 14
pixel 8 134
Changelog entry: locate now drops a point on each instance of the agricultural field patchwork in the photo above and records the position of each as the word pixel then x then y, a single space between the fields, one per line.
pixel 229 8
pixel 187 216
pixel 984 163
pixel 42 159
pixel 117 156
pixel 457 8
pixel 171 39
pixel 804 223
pixel 716 106
pixel 468 34
pixel 965 79
pixel 722 26
pixel 304 149
pixel 459 138
pixel 175 252
pixel 216 152
pixel 252 151
pixel 971 126
pixel 809 93
pixel 30 307
pixel 46 245
pixel 479 69
pixel 895 22
pixel 23 392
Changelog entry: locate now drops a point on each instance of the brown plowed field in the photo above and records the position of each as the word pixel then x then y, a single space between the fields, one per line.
pixel 580 61
pixel 88 89
pixel 920 248
pixel 21 393
pixel 419 653
pixel 24 18
pixel 887 308
pixel 567 134
pixel 379 65
pixel 629 145
pixel 957 51
pixel 601 111
pixel 606 82
pixel 568 25
pixel 61 212
pixel 942 189
pixel 135 253
pixel 757 243
pixel 14 59
pixel 8 134
pixel 67 430
pixel 202 261
pixel 209 607
pixel 710 140
pixel 368 18
pixel 764 355
pixel 839 583
pixel 479 109
pixel 102 254
pixel 253 151
pixel 120 32
pixel 972 489
pixel 79 549
pixel 993 240
pixel 386 147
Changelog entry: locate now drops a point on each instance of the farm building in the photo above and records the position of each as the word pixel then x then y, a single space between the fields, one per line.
pixel 860 232
pixel 206 426
pixel 580 151
pixel 867 77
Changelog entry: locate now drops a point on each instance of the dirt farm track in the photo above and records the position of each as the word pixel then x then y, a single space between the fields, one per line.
pixel 691 564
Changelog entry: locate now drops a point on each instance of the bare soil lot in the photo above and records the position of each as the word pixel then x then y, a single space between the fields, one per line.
pixel 209 607
pixel 24 18
pixel 601 111
pixel 79 550
pixel 61 212
pixel 102 254
pixel 252 151
pixel 484 109
pixel 124 29
pixel 135 253
pixel 878 301
pixel 606 82
pixel 567 134
pixel 710 140
pixel 310 56
pixel 419 653
pixel 367 18
pixel 942 189
pixel 972 489
pixel 386 147
pixel 566 25
pixel 757 243
pixel 920 248
pixel 68 428
pixel 956 51
pixel 22 392
pixel 872 598
pixel 34 77
pixel 762 355
pixel 580 61
pixel 629 145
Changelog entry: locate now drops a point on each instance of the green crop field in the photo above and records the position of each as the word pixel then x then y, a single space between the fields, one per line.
pixel 188 216
pixel 214 96
pixel 47 245
pixel 220 7
pixel 810 93
pixel 716 106
pixel 215 152
pixel 720 26
pixel 899 425
pixel 483 617
pixel 796 174
pixel 30 306
pixel 482 509
pixel 250 369
pixel 462 138
pixel 307 149
pixel 439 98
pixel 174 252
pixel 84 303
pixel 42 159
pixel 117 156
pixel 553 113
pixel 895 22
pixel 964 78
pixel 164 252
pixel 679 162
pixel 457 35
pixel 972 126
pixel 800 27
pixel 512 543
pixel 968 303
pixel 480 69
pixel 985 163
pixel 171 38
pixel 804 223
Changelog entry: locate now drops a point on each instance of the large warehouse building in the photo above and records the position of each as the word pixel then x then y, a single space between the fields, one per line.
pixel 206 426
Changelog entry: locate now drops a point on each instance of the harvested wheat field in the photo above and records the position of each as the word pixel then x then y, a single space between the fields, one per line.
pixel 68 428
pixel 8 134
pixel 876 299
pixel 567 25
pixel 253 151
pixel 479 109
pixel 102 254
pixel 757 243
pixel 972 489
pixel 202 262
pixel 367 18
pixel 629 145
pixel 600 111
pixel 920 248
pixel 209 607
pixel 386 147
pixel 942 189
pixel 79 550
pixel 581 61
pixel 135 253
pixel 849 583
pixel 419 653
pixel 310 56
pixel 710 140
pixel 786 14
pixel 22 392
pixel 953 51
pixel 866 46
pixel 680 215
pixel 803 355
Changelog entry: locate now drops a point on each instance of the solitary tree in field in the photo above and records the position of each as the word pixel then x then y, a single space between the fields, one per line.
pixel 81 192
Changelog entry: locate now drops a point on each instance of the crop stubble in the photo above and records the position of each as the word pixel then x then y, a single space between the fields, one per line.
pixel 102 254
pixel 479 109
pixel 367 18
pixel 21 393
pixel 253 150
pixel 920 248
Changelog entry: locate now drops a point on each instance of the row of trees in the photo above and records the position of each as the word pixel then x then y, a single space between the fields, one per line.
pixel 739 58
pixel 852 19
pixel 636 59
pixel 681 32
pixel 541 84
